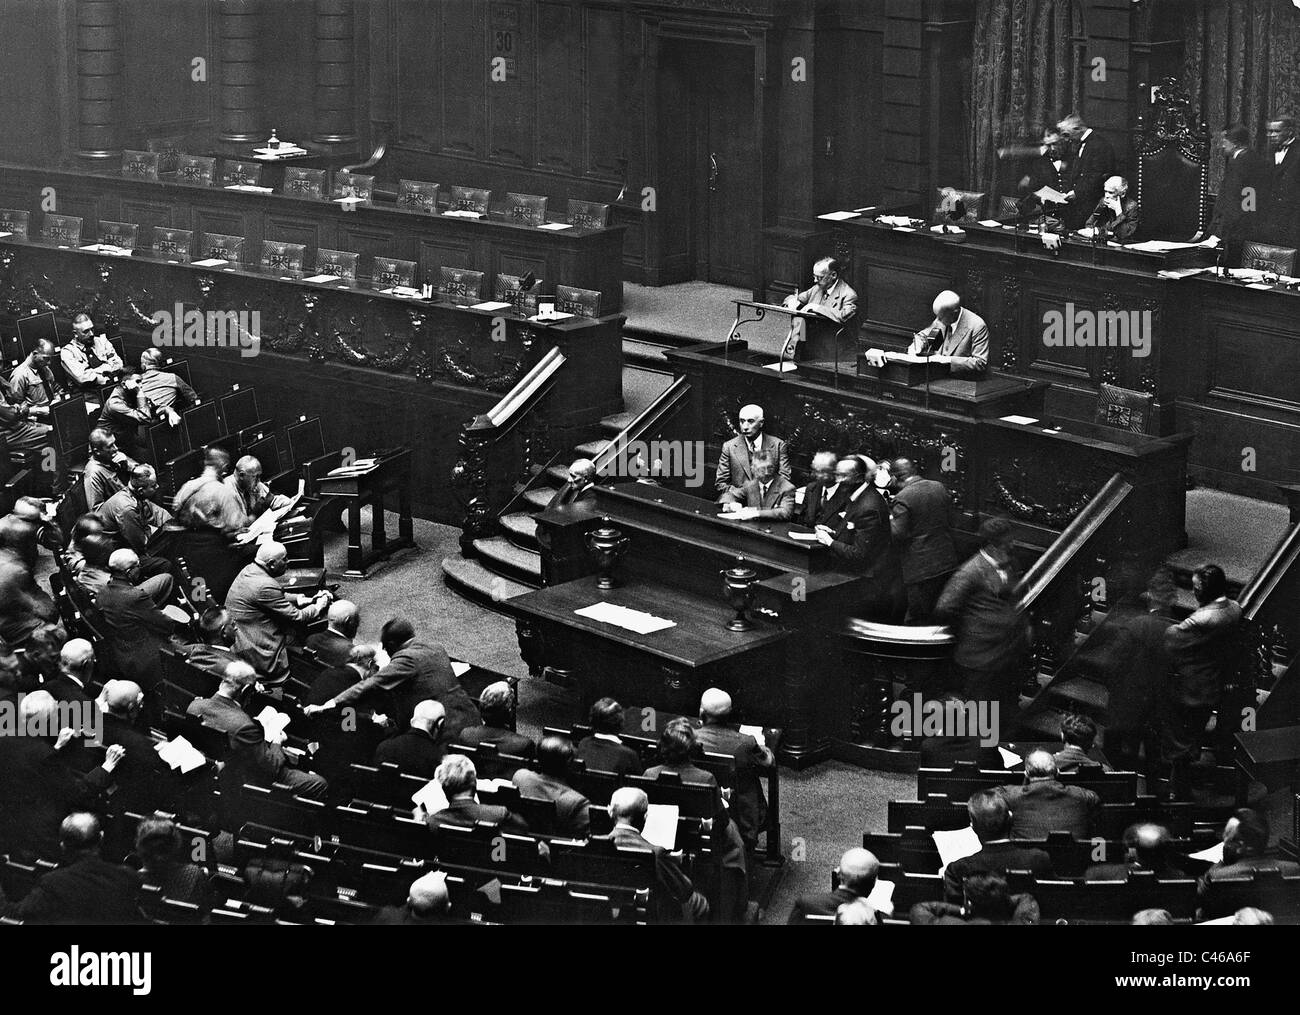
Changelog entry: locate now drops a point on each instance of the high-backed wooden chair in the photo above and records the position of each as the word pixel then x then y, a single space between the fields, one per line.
pixel 1173 167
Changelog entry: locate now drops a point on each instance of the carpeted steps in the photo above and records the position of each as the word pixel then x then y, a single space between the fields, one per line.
pixel 503 557
pixel 520 529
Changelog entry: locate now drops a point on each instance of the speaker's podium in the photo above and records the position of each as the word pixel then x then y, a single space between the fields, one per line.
pixel 905 368
pixel 810 337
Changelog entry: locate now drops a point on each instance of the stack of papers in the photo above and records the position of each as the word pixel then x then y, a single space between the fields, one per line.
pixel 991 223
pixel 181 755
pixel 554 316
pixel 210 262
pixel 105 248
pixel 325 278
pixel 1160 246
pixel 621 616
pixel 355 469
pixel 283 152
pixel 1022 420
pixel 1177 273
pixel 249 187
pixel 491 305
pixel 894 220
pixel 401 290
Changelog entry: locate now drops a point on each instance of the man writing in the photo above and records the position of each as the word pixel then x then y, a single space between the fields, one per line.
pixel 957 337
pixel 829 295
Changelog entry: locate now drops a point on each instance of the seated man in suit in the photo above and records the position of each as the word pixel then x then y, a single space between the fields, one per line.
pixel 717 735
pixel 265 614
pixel 126 410
pixel 603 751
pixel 107 470
pixel 216 648
pixel 418 750
pixel 32 384
pixel 253 758
pixel 459 779
pixel 824 495
pixel 1043 805
pixel 254 496
pixel 1078 733
pixel 944 751
pixel 829 295
pixel 1116 214
pixel 89 359
pixel 957 337
pixel 85 888
pixel 766 497
pixel 131 518
pixel 496 707
pixel 676 901
pixel 162 387
pixel 1245 850
pixel 137 629
pixel 333 645
pixel 1148 849
pixel 76 669
pixel 581 484
pixel 991 819
pixel 858 536
pixel 858 871
pixel 145 783
pixel 427 902
pixel 734 469
pixel 985 900
pixel 554 755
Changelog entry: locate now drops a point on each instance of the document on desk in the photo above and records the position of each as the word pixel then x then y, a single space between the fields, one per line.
pixel 1010 759
pixel 324 278
pixel 661 826
pixel 431 797
pixel 249 188
pixel 266 522
pixel 1022 420
pixel 491 305
pixel 620 616
pixel 881 898
pixel 1160 246
pixel 991 223
pixel 1177 273
pixel 463 214
pixel 804 537
pixel 839 216
pixel 107 248
pixel 956 844
pixel 556 226
pixel 210 262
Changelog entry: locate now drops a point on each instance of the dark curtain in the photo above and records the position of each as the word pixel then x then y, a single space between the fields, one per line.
pixel 1024 76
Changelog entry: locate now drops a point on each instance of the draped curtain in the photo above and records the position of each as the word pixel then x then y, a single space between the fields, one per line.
pixel 1024 76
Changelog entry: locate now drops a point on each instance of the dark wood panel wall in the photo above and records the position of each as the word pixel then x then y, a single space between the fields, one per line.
pixel 873 117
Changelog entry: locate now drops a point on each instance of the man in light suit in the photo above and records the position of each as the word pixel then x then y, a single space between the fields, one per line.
pixel 919 523
pixel 766 497
pixel 264 613
pixel 825 496
pixel 829 295
pixel 734 463
pixel 957 337
pixel 1116 212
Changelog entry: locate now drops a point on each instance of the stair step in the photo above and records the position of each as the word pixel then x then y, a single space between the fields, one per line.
pixel 472 580
pixel 591 448
pixel 520 529
pixel 502 556
pixel 1082 692
pixel 539 496
pixel 613 425
pixel 559 474
pixel 644 353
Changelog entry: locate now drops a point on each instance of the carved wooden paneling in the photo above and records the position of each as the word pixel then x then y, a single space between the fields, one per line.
pixel 294 229
pixel 435 254
pixel 213 220
pixel 520 262
pixel 370 241
pixel 510 106
pixel 148 214
pixel 605 113
pixel 461 63
pixel 559 93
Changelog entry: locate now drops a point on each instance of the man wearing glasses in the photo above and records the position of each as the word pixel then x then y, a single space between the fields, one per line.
pixel 829 295
pixel 90 359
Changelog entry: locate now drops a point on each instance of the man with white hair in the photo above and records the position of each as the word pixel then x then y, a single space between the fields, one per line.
pixel 1116 213
pixel 957 337
pixel 76 666
pixel 145 783
pixel 264 614
pixel 718 735
pixel 333 645
pixel 1092 163
pixel 735 462
pixel 857 877
pixel 496 706
pixel 829 295
pixel 427 902
pixel 416 750
pixel 581 484
pixel 137 628
pixel 858 537
pixel 254 758
pixel 254 495
pixel 825 494
pixel 675 900
pixel 459 780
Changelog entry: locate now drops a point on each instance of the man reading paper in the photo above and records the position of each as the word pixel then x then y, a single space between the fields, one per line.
pixel 958 337
pixel 829 294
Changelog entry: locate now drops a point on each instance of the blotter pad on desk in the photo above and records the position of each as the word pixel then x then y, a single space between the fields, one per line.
pixel 620 616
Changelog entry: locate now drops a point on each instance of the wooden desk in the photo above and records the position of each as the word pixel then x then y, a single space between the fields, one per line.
pixel 391 474
pixel 1268 756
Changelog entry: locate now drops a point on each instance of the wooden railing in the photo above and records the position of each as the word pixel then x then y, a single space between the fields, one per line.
pixel 508 441
pixel 1269 605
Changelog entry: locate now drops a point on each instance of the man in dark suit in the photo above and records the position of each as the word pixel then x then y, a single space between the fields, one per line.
pixel 427 902
pixel 1148 849
pixel 38 782
pixel 1205 651
pixel 920 525
pixel 459 779
pixel 1092 164
pixel 986 900
pixel 145 783
pixel 858 871
pixel 418 750
pixel 1280 211
pixel 1245 850
pixel 859 536
pixel 992 634
pixel 1236 208
pixel 603 751
pixel 554 754
pixel 416 671
pixel 84 888
pixel 581 484
pixel 825 496
pixel 766 497
pixel 216 650
pixel 1117 214
pixel 137 629
pixel 1048 169
pixel 349 735
pixel 717 735
pixel 253 759
pixel 496 706
pixel 76 669
pixel 1042 804
pixel 676 900
pixel 332 645
pixel 991 819
pixel 734 469
pixel 1078 734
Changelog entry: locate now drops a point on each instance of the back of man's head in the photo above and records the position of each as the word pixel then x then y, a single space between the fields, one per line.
pixel 217 459
pixel 715 705
pixel 428 896
pixel 396 633
pixel 987 896
pixel 238 675
pixel 554 755
pixel 96 548
pixel 121 697
pixel 989 815
pixel 676 742
pixel 1080 731
pixel 429 716
pixel 79 832
pixel 214 626
pixel 630 805
pixel 456 774
pixel 344 617
pixel 1150 844
pixel 1152 918
pixel 606 716
pixel 271 552
pixel 122 562
pixel 77 657
pixel 1040 765
pixel 858 870
pixel 496 703
pixel 1248 830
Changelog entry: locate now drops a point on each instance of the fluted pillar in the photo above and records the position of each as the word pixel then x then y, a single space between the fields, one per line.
pixel 99 79
pixel 335 98
pixel 241 113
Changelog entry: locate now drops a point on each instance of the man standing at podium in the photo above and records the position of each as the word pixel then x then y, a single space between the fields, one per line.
pixel 958 337
pixel 829 294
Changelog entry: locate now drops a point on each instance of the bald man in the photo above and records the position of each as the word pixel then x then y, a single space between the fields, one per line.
pixel 675 899
pixel 427 902
pixel 581 484
pixel 333 645
pixel 138 630
pixel 265 615
pixel 957 337
pixel 735 467
pixel 254 496
pixel 1148 847
pixel 32 384
pixel 857 877
pixel 1116 213
pixel 20 424
pixel 1042 804
pixel 145 783
pixel 76 668
pixel 417 750
pixel 719 735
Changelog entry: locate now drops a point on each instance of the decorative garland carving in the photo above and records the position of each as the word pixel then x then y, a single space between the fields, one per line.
pixel 1011 289
pixel 1010 490
pixel 455 359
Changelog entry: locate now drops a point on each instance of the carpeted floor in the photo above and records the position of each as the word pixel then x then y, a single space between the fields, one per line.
pixel 700 311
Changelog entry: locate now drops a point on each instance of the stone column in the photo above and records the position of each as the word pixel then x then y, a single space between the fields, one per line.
pixel 99 79
pixel 335 97
pixel 241 113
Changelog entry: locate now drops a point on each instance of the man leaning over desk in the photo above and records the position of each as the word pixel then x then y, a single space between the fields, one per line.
pixel 829 294
pixel 958 337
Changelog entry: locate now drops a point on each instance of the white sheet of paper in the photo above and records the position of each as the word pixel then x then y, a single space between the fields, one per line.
pixel 881 898
pixel 1223 921
pixel 804 537
pixel 491 785
pixel 401 290
pixel 555 316
pixel 894 220
pixel 1177 273
pixel 756 732
pixel 181 754
pixel 322 278
pixel 991 223
pixel 1022 420
pixel 555 226
pixel 431 797
pixel 490 305
pixel 839 216
pixel 464 214
pixel 1160 246
pixel 1258 285
pixel 210 262
pixel 1212 855
pixel 1010 759
pixel 459 668
pixel 249 188
pixel 273 722
pixel 956 844
pixel 661 826
pixel 3 235
pixel 781 367
pixel 904 229
pixel 1050 194
pixel 620 616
